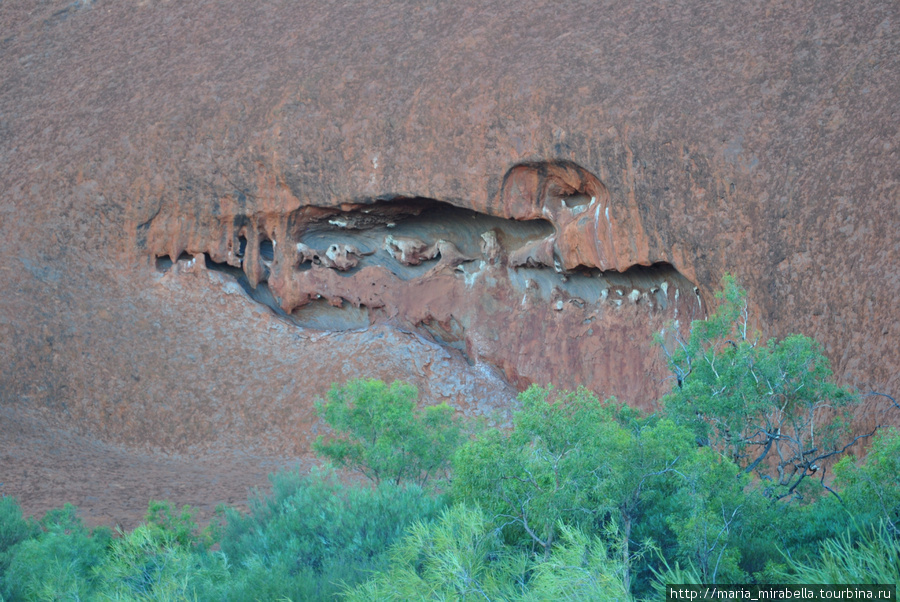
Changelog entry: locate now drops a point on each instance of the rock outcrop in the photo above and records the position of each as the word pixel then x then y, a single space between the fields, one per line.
pixel 195 199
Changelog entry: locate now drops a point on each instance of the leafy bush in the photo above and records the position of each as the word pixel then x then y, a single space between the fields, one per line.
pixel 160 559
pixel 637 483
pixel 457 557
pixel 766 406
pixel 57 562
pixel 872 559
pixel 581 568
pixel 460 556
pixel 14 529
pixel 150 563
pixel 314 533
pixel 573 461
pixel 543 471
pixel 871 490
pixel 381 434
pixel 178 527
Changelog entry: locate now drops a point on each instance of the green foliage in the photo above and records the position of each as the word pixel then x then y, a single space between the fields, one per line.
pixel 871 490
pixel 668 574
pixel 581 568
pixel 545 471
pixel 150 563
pixel 726 528
pixel 461 556
pixel 14 529
pixel 314 533
pixel 308 539
pixel 770 408
pixel 58 562
pixel 165 522
pixel 159 560
pixel 872 559
pixel 639 484
pixel 382 435
pixel 457 557
pixel 708 518
pixel 574 461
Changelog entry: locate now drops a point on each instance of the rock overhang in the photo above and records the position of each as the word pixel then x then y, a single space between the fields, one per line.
pixel 538 285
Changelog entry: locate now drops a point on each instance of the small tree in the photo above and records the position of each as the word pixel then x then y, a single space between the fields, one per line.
pixel 769 407
pixel 542 473
pixel 574 461
pixel 382 435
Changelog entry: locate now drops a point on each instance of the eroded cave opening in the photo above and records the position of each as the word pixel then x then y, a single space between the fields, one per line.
pixel 649 285
pixel 541 292
pixel 550 280
pixel 242 246
pixel 406 236
pixel 323 315
pixel 413 238
pixel 164 263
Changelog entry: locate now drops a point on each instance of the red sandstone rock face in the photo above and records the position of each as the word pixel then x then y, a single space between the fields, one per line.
pixel 692 139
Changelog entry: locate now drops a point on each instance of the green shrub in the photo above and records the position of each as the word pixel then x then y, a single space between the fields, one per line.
pixel 871 559
pixel 581 568
pixel 871 488
pixel 14 529
pixel 545 471
pixel 150 563
pixel 382 435
pixel 461 556
pixel 573 461
pixel 178 526
pixel 59 561
pixel 314 533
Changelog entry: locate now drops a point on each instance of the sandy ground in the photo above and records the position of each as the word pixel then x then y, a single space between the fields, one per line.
pixel 44 466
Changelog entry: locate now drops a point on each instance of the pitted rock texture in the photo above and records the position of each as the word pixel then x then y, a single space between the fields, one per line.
pixel 759 138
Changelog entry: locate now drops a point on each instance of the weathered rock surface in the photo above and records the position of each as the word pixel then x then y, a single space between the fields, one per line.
pixel 594 148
